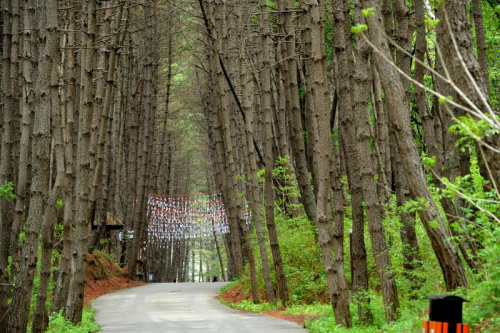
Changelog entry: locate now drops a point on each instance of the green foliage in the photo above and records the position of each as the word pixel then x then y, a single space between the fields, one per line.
pixel 491 16
pixel 59 204
pixel 431 24
pixel 428 162
pixel 301 258
pixel 438 3
pixel 250 306
pixel 359 28
pixel 309 309
pixel 59 324
pixel 468 128
pixel 260 175
pixel 7 191
pixel 445 99
pixel 229 286
pixel 414 206
pixel 59 230
pixel 485 296
pixel 285 177
pixel 368 12
pixel 410 320
pixel 306 279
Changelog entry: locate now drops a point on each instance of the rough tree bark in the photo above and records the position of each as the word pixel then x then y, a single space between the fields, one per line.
pixel 465 71
pixel 294 114
pixel 254 192
pixel 399 114
pixel 348 145
pixel 265 80
pixel 477 14
pixel 316 69
pixel 62 285
pixel 8 114
pixel 50 216
pixel 362 123
pixel 19 313
pixel 74 306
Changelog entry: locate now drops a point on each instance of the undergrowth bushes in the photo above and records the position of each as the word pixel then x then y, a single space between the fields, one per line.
pixel 306 278
pixel 59 324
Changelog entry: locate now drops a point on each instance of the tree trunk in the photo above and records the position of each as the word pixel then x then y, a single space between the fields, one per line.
pixel 50 216
pixel 376 228
pixel 6 172
pixel 74 306
pixel 457 49
pixel 294 114
pixel 399 114
pixel 269 158
pixel 477 14
pixel 336 282
pixel 19 313
pixel 29 73
pixel 348 145
pixel 63 280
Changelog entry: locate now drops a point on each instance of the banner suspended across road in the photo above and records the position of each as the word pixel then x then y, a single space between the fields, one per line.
pixel 181 217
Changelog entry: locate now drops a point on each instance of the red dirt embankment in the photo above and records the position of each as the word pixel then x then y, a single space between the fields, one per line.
pixel 104 276
pixel 237 294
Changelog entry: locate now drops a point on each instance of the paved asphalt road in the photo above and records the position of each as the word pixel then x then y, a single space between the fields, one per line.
pixel 179 307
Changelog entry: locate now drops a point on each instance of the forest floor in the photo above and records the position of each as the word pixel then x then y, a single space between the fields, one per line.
pixel 236 295
pixel 103 276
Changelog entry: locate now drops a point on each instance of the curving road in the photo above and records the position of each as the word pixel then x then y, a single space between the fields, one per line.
pixel 179 307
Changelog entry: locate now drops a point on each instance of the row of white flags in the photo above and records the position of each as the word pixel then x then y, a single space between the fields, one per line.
pixel 182 217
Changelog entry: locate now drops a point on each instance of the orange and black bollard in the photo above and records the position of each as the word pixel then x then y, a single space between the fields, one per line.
pixel 445 309
pixel 462 328
pixel 438 327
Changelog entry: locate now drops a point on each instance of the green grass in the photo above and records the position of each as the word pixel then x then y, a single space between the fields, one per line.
pixel 229 286
pixel 409 321
pixel 250 306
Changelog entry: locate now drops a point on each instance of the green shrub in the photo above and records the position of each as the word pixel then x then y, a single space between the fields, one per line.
pixel 59 324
